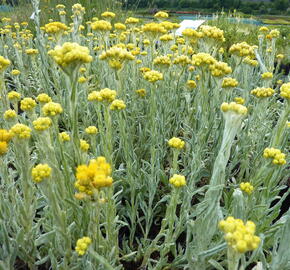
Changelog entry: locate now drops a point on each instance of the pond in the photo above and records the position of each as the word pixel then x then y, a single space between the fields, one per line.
pixel 210 17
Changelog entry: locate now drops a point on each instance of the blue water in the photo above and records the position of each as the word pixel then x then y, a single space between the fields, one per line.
pixel 234 20
pixel 4 8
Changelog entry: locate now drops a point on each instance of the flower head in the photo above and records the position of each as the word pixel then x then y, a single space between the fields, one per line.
pixel 285 90
pixel 52 109
pixel 42 123
pixel 176 143
pixel 64 137
pixel 27 104
pixel 153 76
pixel 94 176
pixel 91 130
pixel 240 236
pixel 82 245
pixel 117 104
pixel 278 158
pixel 246 187
pixel 4 63
pixel 40 172
pixel 177 180
pixel 21 131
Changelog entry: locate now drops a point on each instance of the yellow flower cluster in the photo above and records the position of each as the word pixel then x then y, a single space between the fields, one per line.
pixel 212 32
pixel 13 95
pixel 91 130
pixel 15 72
pixel 219 69
pixel 234 107
pixel 176 143
pixel 5 137
pixel 162 60
pixel 280 56
pixel 52 109
pixel 93 176
pixel 120 26
pixel 70 53
pixel 116 56
pixel 84 145
pixel 229 82
pixel 201 59
pixel 108 14
pixel 105 94
pixel 263 92
pixel 42 123
pixel 246 187
pixel 177 180
pixel 191 33
pixel 82 245
pixel 40 172
pixel 276 154
pixel 27 104
pixel 169 25
pixel 64 137
pixel 20 131
pixel 264 29
pixel 9 114
pixel 248 60
pixel 240 236
pixel 153 76
pixel 31 51
pixel 285 90
pixel 191 84
pixel 117 104
pixel 132 20
pixel 182 60
pixel 43 98
pixel 141 92
pixel 55 27
pixel 273 34
pixel 267 75
pixel 239 100
pixel 4 63
pixel 78 9
pixel 101 25
pixel 161 15
pixel 242 49
pixel 154 29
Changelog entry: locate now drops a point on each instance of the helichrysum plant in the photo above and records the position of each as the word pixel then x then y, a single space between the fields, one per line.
pixel 126 146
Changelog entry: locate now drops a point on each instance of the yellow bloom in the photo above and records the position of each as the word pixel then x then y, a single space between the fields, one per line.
pixel 70 54
pixel 15 72
pixel 101 25
pixel 20 131
pixel 176 143
pixel 42 123
pixel 131 20
pixel 285 90
pixel 182 60
pixel 153 76
pixel 82 79
pixel 242 49
pixel 267 75
pixel 31 51
pixel 84 145
pixel 43 98
pixel 191 84
pixel 248 60
pixel 13 95
pixel 264 29
pixel 4 63
pixel 240 236
pixel 246 187
pixel 280 56
pixel 177 180
pixel 82 245
pixel 153 29
pixel 27 104
pixel 3 148
pixel 93 176
pixel 277 156
pixel 201 59
pixel 108 14
pixel 233 107
pixel 212 32
pixel 117 104
pixel 161 15
pixel 91 130
pixel 64 137
pixel 9 114
pixel 162 61
pixel 5 135
pixel 263 92
pixel 141 92
pixel 239 100
pixel 120 26
pixel 40 172
pixel 55 28
pixel 52 109
pixel 229 82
